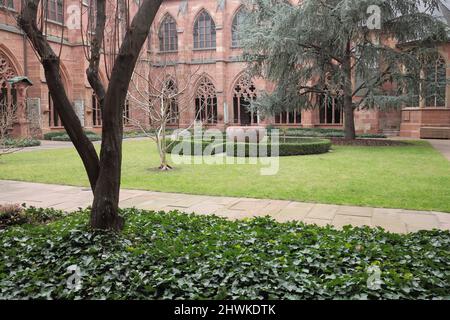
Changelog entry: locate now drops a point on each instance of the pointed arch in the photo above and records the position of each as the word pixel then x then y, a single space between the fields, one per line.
pixel 206 101
pixel 331 108
pixel 204 31
pixel 8 93
pixel 168 34
pixel 244 92
pixel 11 57
pixel 7 69
pixel 435 73
pixel 172 110
pixel 235 27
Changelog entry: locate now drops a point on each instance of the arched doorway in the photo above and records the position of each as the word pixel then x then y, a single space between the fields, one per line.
pixel 244 92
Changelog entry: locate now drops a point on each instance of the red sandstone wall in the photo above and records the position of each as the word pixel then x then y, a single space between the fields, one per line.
pixel 219 65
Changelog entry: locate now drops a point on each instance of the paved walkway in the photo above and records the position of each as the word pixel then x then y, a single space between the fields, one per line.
pixel 71 198
pixel 443 146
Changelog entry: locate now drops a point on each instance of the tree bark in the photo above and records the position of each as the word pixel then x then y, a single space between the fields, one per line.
pixel 104 174
pixel 106 196
pixel 92 71
pixel 349 118
pixel 50 62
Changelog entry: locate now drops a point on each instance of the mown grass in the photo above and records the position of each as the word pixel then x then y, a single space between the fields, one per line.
pixel 410 177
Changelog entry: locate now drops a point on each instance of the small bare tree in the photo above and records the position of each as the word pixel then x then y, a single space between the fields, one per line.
pixel 162 99
pixel 8 116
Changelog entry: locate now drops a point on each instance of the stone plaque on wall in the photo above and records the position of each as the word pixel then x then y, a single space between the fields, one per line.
pixel 33 106
pixel 78 106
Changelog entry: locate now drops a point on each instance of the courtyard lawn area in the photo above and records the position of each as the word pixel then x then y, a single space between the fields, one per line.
pixel 410 177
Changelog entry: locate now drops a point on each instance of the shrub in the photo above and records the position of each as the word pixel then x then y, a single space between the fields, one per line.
pixel 53 134
pixel 42 215
pixel 287 147
pixel 11 214
pixel 192 144
pixel 65 137
pixel 133 134
pixel 14 214
pixel 324 133
pixel 22 143
pixel 177 256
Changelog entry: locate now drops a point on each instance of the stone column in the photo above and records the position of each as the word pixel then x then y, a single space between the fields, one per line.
pixel 21 127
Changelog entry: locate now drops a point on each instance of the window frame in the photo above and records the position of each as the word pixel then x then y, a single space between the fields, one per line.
pixel 205 43
pixel 168 35
pixel 435 72
pixel 235 39
pixel 55 11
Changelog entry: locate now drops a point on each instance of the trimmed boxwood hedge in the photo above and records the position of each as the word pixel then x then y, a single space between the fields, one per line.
pixel 177 256
pixel 65 137
pixel 51 135
pixel 194 144
pixel 22 143
pixel 288 147
pixel 323 133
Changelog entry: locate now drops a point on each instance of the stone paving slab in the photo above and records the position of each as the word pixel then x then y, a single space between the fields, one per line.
pixel 443 146
pixel 71 198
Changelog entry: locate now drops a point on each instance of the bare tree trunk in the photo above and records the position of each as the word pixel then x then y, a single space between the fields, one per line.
pixel 106 196
pixel 104 174
pixel 92 72
pixel 162 148
pixel 349 118
pixel 50 62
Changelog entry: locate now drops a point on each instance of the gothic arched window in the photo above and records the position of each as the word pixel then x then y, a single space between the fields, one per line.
pixel 168 37
pixel 435 74
pixel 206 102
pixel 55 10
pixel 244 92
pixel 235 27
pixel 8 94
pixel 172 109
pixel 330 109
pixel 7 4
pixel 204 32
pixel 289 117
pixel 96 112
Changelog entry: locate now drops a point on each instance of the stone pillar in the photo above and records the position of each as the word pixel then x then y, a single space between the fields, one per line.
pixel 308 118
pixel 21 127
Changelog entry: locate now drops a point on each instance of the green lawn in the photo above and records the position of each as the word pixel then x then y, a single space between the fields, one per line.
pixel 409 177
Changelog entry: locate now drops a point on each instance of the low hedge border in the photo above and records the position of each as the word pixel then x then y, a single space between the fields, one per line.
pixel 65 137
pixel 322 133
pixel 192 145
pixel 285 149
pixel 22 143
pixel 293 147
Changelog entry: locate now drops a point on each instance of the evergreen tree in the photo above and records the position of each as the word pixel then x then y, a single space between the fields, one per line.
pixel 366 53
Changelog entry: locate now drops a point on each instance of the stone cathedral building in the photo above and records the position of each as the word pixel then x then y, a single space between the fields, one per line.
pixel 200 37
